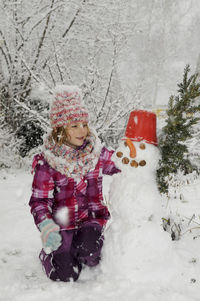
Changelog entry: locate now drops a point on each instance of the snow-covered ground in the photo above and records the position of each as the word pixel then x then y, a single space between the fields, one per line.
pixel 159 269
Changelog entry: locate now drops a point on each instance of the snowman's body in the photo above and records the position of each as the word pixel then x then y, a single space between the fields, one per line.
pixel 134 189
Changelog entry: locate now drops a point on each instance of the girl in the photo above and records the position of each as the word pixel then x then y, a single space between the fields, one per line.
pixel 67 202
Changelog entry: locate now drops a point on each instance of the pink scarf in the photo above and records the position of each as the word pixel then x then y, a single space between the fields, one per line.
pixel 74 163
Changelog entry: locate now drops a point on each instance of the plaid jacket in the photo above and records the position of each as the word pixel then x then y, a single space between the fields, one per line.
pixel 52 191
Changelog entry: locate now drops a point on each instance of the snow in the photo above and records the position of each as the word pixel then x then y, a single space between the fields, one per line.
pixel 62 216
pixel 140 261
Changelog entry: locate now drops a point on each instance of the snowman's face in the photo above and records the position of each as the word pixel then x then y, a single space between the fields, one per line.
pixel 136 155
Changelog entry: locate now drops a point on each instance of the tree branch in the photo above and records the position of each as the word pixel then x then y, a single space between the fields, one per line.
pixel 5 57
pixel 33 75
pixel 73 20
pixel 43 121
pixel 7 49
pixel 109 83
pixel 40 45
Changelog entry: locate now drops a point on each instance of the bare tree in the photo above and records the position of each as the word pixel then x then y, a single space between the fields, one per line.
pixel 50 42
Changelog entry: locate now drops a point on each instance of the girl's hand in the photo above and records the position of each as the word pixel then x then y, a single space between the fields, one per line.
pixel 51 238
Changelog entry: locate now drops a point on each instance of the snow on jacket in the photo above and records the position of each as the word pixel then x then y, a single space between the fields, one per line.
pixel 52 191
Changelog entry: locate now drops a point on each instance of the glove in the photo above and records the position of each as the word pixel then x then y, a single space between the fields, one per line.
pixel 51 238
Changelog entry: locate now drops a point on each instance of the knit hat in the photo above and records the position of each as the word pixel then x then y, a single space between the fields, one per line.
pixel 67 106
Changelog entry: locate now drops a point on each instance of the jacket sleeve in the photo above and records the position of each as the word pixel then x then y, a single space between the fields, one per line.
pixel 42 190
pixel 109 167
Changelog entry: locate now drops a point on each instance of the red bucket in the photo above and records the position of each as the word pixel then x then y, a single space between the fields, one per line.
pixel 142 126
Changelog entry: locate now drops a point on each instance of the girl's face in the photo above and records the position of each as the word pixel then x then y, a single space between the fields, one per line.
pixel 76 133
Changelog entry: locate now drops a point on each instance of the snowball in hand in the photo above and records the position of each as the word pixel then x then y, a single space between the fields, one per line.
pixel 62 216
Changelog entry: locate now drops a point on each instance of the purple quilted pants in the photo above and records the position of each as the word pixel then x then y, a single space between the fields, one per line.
pixel 80 246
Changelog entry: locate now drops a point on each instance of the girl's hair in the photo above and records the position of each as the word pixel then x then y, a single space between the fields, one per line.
pixel 59 135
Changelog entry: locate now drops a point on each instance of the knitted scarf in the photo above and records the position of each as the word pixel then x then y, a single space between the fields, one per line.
pixel 74 163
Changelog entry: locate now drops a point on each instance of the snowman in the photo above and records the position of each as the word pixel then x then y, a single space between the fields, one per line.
pixel 135 203
pixel 137 156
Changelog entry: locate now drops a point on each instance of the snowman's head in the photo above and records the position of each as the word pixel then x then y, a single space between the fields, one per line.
pixel 138 150
pixel 137 156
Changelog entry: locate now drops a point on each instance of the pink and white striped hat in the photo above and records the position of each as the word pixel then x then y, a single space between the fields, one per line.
pixel 67 106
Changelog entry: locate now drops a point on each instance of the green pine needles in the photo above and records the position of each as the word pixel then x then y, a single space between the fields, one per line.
pixel 179 124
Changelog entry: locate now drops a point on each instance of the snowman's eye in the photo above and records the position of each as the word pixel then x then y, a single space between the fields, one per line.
pixel 142 146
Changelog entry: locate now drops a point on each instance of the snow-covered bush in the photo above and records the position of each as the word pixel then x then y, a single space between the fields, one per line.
pixel 182 115
pixel 9 154
pixel 193 144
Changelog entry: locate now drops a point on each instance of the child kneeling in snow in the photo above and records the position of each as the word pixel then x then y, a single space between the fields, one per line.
pixel 67 202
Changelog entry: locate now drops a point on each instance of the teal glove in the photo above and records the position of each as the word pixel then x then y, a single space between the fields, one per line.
pixel 51 238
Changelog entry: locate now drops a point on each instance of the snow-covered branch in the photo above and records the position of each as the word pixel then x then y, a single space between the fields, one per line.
pixel 43 121
pixel 73 20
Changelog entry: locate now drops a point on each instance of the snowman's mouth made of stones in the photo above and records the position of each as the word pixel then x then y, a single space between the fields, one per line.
pixel 132 162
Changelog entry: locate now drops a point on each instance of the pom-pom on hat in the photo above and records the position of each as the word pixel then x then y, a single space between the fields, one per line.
pixel 142 126
pixel 67 106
